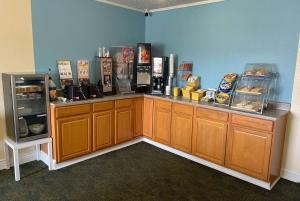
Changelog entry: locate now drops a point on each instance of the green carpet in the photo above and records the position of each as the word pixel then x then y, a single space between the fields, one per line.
pixel 139 172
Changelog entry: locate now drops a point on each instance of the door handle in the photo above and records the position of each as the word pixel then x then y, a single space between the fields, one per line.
pixel 41 115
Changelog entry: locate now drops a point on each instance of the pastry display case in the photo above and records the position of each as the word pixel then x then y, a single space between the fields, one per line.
pixel 225 89
pixel 26 100
pixel 255 88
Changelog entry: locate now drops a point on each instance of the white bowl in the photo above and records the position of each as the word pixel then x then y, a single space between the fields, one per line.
pixel 36 128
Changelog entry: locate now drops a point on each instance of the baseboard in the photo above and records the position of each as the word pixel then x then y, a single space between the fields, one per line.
pixel 233 173
pixel 31 156
pixel 3 164
pixel 44 158
pixel 290 175
pixel 25 158
pixel 56 166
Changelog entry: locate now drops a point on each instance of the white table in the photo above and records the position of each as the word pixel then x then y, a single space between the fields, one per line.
pixel 17 146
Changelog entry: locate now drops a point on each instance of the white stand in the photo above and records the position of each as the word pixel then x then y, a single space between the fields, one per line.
pixel 16 146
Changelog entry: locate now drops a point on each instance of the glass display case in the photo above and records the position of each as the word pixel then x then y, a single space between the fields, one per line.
pixel 26 100
pixel 255 88
pixel 123 62
pixel 226 89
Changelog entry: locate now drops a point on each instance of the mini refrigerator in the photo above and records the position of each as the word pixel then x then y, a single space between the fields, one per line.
pixel 26 101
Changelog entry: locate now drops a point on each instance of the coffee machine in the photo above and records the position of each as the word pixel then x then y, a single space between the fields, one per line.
pixel 104 74
pixel 144 68
pixel 159 75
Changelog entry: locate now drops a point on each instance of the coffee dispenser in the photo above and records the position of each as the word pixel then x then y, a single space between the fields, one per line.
pixel 144 68
pixel 104 74
pixel 159 75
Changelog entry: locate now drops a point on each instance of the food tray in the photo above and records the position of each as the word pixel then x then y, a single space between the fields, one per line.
pixel 244 109
pixel 28 89
pixel 248 92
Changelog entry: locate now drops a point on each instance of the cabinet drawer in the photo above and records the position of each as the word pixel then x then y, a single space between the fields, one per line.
pixel 185 109
pixel 124 103
pixel 163 104
pixel 211 114
pixel 98 107
pixel 251 122
pixel 72 110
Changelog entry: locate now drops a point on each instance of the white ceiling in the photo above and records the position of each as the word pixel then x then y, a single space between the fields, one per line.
pixel 156 5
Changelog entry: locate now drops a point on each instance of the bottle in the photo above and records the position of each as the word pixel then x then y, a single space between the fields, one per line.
pixel 52 88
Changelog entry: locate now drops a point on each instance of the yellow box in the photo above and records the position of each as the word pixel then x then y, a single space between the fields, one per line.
pixel 197 95
pixel 186 93
pixel 176 91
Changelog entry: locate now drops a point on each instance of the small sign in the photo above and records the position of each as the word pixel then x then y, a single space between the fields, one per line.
pixel 83 69
pixel 64 68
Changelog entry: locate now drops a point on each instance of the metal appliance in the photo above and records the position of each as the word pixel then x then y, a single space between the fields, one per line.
pixel 171 75
pixel 104 74
pixel 123 61
pixel 159 75
pixel 144 68
pixel 26 100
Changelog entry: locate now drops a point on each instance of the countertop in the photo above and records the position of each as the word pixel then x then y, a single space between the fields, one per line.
pixel 269 114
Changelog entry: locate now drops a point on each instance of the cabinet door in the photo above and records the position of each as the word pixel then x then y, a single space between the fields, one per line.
pixel 209 140
pixel 73 137
pixel 148 118
pixel 249 152
pixel 162 123
pixel 138 117
pixel 182 130
pixel 103 129
pixel 124 124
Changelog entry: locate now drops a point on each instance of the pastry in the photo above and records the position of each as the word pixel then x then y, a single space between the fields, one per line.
pixel 244 89
pixel 261 72
pixel 249 107
pixel 230 77
pixel 257 90
pixel 250 72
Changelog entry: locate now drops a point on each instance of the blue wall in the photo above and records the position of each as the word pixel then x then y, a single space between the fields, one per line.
pixel 74 29
pixel 223 37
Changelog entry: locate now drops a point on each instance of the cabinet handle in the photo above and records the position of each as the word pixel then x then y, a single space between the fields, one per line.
pixel 20 118
pixel 41 115
pixel 21 108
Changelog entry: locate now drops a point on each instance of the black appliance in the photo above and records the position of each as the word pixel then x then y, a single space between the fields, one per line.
pixel 95 91
pixel 76 93
pixel 159 75
pixel 144 68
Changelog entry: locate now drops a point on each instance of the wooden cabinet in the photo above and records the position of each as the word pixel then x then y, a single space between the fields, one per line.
pixel 209 139
pixel 248 151
pixel 138 116
pixel 103 125
pixel 103 129
pixel 182 127
pixel 124 120
pixel 73 137
pixel 244 143
pixel 162 122
pixel 148 118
